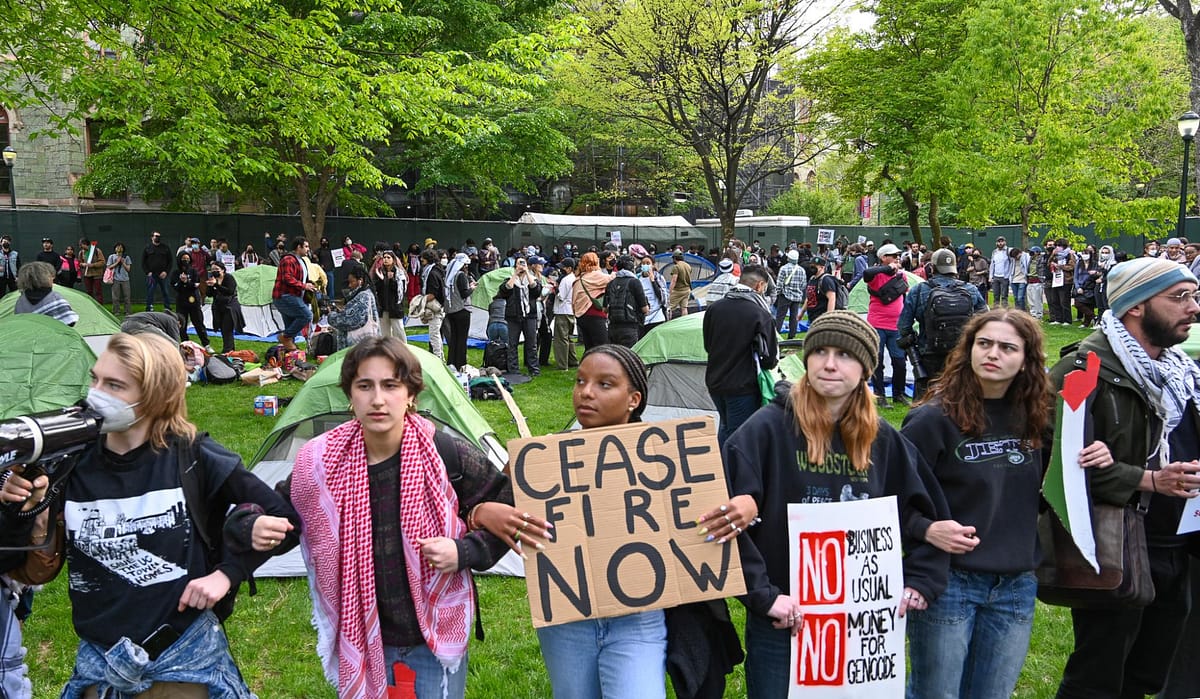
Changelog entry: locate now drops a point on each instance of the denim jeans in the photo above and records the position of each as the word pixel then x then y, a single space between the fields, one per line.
pixel 153 281
pixel 768 657
pixel 14 673
pixel 429 672
pixel 733 411
pixel 971 642
pixel 889 346
pixel 200 656
pixel 624 656
pixel 1018 289
pixel 786 310
pixel 296 314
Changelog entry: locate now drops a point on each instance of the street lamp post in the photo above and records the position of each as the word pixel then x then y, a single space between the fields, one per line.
pixel 1187 131
pixel 10 160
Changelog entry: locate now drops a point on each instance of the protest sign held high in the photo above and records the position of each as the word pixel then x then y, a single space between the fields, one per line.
pixel 846 560
pixel 624 503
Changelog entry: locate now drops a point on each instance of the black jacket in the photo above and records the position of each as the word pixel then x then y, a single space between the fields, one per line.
pixel 767 459
pixel 512 297
pixel 157 259
pixel 734 328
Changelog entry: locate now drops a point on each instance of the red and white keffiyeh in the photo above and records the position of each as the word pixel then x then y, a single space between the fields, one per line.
pixel 331 493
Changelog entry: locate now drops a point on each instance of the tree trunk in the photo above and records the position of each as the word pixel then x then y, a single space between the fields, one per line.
pixel 914 212
pixel 1025 211
pixel 935 226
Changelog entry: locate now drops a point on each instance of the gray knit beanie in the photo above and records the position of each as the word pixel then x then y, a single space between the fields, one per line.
pixel 844 330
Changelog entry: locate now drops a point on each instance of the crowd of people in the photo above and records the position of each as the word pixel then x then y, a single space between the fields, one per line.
pixel 392 515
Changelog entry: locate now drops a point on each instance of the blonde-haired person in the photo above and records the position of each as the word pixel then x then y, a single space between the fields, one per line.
pixel 822 441
pixel 143 583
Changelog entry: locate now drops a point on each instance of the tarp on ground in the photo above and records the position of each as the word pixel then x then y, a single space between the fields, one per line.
pixel 254 287
pixel 44 365
pixel 95 324
pixel 675 361
pixel 321 405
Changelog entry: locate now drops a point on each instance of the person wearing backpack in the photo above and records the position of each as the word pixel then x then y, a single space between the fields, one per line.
pixel 141 526
pixel 825 291
pixel 942 306
pixel 627 304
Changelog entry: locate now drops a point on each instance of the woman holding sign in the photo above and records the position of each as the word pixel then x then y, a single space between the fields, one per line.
pixel 982 427
pixel 627 655
pixel 822 441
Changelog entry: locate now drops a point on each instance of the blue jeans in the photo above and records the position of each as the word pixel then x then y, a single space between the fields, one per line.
pixel 733 411
pixel 1018 290
pixel 768 657
pixel 153 281
pixel 624 656
pixel 296 314
pixel 14 673
pixel 200 656
pixel 889 346
pixel 971 642
pixel 429 671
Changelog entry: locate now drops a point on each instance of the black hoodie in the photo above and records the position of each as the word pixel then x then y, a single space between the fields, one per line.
pixel 768 460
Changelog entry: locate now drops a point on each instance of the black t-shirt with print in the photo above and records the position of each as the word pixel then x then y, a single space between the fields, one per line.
pixel 131 547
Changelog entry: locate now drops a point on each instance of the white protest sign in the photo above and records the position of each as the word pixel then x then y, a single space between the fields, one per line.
pixel 615 238
pixel 339 256
pixel 846 566
pixel 825 236
pixel 862 240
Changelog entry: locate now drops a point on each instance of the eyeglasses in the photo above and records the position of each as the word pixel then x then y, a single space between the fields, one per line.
pixel 1183 296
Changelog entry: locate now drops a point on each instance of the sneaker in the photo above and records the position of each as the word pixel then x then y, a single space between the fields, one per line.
pixel 901 401
pixel 882 402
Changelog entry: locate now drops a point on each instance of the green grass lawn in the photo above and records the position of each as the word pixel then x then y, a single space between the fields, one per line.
pixel 273 640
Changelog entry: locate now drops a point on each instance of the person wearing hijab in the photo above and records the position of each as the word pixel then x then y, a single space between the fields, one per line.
pixel 459 286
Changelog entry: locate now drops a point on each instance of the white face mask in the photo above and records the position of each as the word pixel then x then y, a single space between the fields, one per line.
pixel 118 415
pixel 443 262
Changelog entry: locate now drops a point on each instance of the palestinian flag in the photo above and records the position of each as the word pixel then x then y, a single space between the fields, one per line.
pixel 1065 487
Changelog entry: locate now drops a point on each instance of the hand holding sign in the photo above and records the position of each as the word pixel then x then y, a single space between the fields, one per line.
pixel 513 527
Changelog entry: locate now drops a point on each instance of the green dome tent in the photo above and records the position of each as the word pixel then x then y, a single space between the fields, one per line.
pixel 675 361
pixel 95 324
pixel 320 405
pixel 44 365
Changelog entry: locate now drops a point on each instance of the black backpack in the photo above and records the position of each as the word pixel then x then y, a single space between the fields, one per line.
pixel 322 344
pixel 621 301
pixel 220 369
pixel 495 354
pixel 946 312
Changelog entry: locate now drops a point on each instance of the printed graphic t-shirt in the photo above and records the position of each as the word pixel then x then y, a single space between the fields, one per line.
pixel 131 547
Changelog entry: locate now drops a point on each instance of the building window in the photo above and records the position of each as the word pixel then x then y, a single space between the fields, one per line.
pixel 5 140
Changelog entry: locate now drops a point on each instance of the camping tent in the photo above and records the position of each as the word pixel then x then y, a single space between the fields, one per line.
pixel 703 270
pixel 44 365
pixel 95 324
pixel 676 360
pixel 254 287
pixel 321 405
pixel 485 290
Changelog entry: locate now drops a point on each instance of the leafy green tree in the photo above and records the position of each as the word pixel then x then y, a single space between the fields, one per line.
pixel 243 97
pixel 704 75
pixel 1044 106
pixel 821 206
pixel 881 88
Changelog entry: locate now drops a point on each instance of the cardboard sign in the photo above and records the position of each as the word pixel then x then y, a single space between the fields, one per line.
pixel 825 236
pixel 846 564
pixel 339 256
pixel 624 503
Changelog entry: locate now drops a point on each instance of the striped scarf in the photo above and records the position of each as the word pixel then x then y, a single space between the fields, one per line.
pixel 331 493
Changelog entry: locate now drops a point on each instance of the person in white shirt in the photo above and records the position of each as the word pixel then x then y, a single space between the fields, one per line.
pixel 1000 273
pixel 655 286
pixel 564 318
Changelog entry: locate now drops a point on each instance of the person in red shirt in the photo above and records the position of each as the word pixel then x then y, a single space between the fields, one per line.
pixel 291 283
